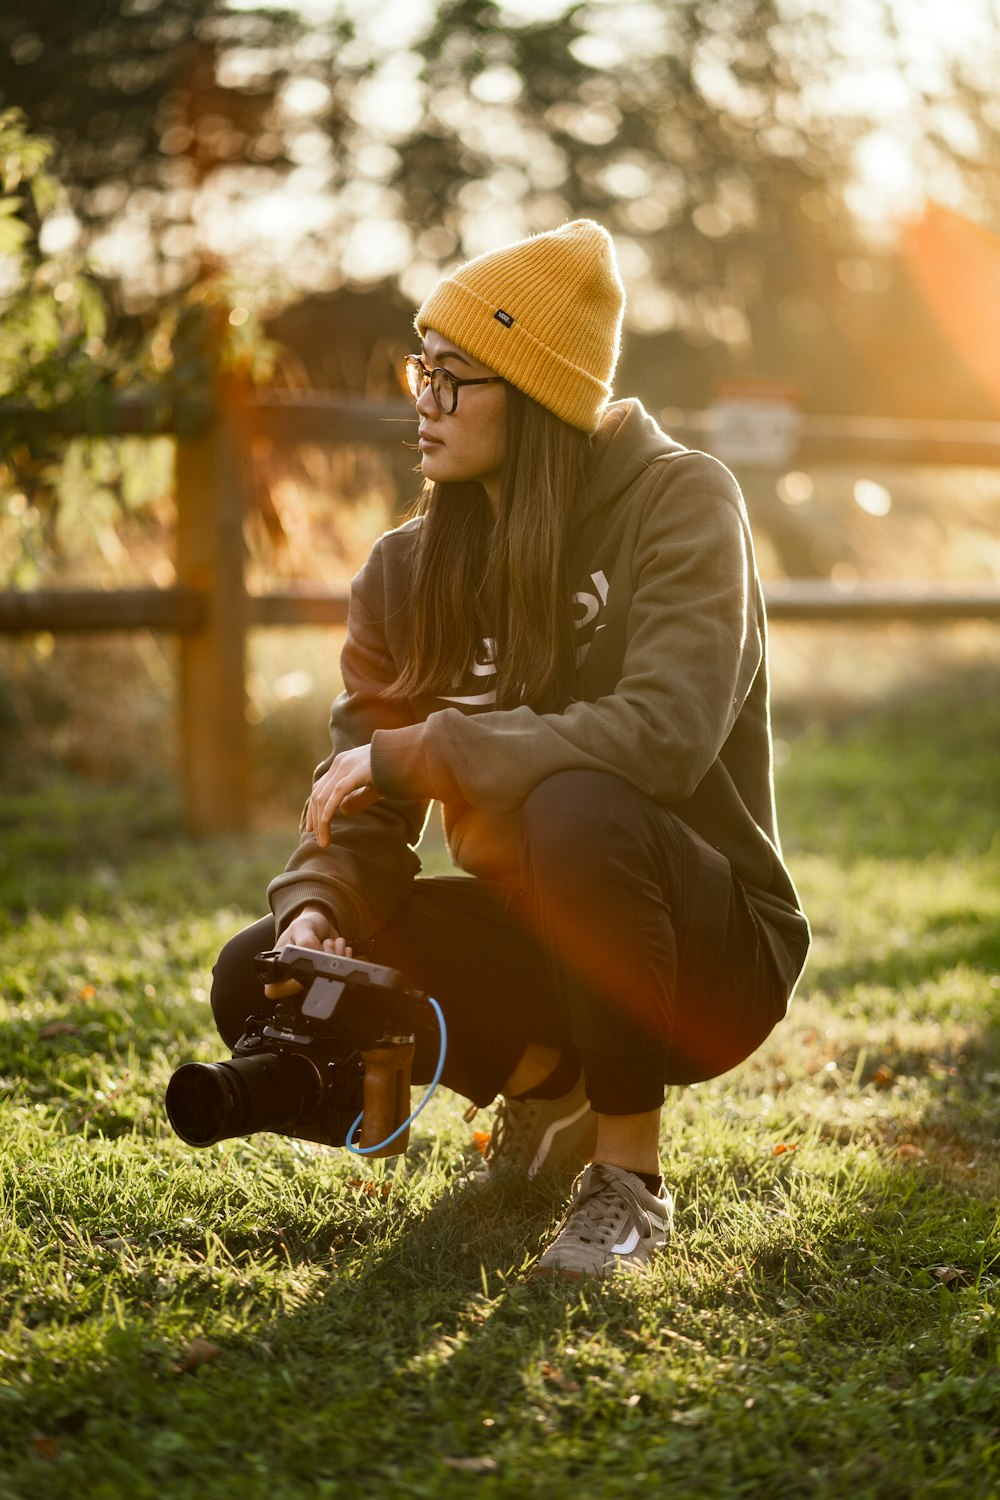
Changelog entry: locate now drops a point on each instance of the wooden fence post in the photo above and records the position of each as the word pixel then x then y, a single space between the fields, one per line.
pixel 210 559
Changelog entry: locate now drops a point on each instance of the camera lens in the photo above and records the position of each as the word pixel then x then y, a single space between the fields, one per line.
pixel 208 1102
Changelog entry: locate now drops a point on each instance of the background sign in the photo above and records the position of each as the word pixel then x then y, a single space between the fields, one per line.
pixel 756 422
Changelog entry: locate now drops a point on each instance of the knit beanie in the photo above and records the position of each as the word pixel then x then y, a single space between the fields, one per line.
pixel 545 313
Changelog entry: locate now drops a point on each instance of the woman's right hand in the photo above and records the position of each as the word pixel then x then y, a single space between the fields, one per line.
pixel 309 928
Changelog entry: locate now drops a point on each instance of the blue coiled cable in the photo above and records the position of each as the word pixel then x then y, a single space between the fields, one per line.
pixel 442 1051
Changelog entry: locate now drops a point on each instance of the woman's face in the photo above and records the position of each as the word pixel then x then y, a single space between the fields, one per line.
pixel 471 442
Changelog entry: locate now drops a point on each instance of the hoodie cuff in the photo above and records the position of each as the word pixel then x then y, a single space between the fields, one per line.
pixel 286 896
pixel 399 763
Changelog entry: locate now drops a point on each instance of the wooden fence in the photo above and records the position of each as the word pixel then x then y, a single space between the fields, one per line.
pixel 210 610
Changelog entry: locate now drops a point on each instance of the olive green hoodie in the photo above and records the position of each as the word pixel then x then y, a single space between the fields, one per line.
pixel 671 694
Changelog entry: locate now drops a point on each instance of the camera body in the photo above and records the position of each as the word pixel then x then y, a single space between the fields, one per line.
pixel 338 1048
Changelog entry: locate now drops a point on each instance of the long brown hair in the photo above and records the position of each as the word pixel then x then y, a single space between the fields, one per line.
pixel 478 575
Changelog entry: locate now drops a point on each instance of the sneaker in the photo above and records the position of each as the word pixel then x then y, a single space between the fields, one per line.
pixel 534 1133
pixel 613 1223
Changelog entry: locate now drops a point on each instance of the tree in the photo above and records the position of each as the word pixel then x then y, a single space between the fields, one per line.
pixel 321 154
pixel 133 94
pixel 681 123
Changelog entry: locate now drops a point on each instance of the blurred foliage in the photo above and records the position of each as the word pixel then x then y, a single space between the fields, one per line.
pixel 101 512
pixel 52 315
pixel 679 126
pixel 196 186
pixel 145 117
pixel 54 310
pixel 355 147
pixel 61 500
pixel 52 345
pixel 140 114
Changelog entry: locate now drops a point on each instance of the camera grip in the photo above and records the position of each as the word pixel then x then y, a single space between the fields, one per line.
pixel 386 1094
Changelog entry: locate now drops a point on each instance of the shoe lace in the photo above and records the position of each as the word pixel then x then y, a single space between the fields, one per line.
pixel 511 1125
pixel 594 1211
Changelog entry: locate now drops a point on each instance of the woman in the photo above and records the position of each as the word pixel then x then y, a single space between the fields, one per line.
pixel 566 648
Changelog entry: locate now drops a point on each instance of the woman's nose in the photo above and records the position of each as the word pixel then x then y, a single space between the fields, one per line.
pixel 426 405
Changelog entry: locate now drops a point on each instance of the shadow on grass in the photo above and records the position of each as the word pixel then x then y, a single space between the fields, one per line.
pixel 426 1330
pixel 427 1362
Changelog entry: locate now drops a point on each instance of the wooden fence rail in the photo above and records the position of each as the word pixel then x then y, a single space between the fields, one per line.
pixel 331 418
pixel 210 610
pixel 184 611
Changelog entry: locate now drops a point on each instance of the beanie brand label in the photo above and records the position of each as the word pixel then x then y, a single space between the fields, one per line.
pixel 504 318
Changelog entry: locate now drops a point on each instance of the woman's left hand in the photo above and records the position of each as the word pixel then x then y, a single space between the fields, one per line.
pixel 347 785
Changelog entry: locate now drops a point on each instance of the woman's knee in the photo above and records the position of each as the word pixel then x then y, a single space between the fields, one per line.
pixel 576 820
pixel 236 990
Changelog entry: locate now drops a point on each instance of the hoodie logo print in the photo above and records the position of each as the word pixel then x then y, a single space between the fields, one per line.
pixel 483 666
pixel 591 605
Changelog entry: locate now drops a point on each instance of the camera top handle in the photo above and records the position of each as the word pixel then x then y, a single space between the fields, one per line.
pixel 391 1006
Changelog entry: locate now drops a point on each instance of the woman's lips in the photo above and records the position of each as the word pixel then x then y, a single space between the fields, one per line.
pixel 425 442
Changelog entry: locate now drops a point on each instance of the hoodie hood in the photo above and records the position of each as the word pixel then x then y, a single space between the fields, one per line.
pixel 627 442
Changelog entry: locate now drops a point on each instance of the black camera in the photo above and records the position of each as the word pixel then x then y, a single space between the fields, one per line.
pixel 337 1050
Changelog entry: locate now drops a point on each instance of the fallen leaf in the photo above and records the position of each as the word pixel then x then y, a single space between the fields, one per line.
pixel 57 1028
pixel 481 1139
pixel 632 1400
pixel 198 1352
pixel 88 992
pixel 883 1077
pixel 555 1377
pixel 947 1274
pixel 473 1465
pixel 370 1186
pixel 907 1148
pixel 46 1448
pixel 784 1146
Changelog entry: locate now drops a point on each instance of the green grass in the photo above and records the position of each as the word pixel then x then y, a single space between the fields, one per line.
pixel 825 1324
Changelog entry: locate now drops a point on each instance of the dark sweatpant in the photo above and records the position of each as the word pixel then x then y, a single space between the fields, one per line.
pixel 628 942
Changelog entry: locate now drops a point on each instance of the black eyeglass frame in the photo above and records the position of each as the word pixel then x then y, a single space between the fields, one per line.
pixel 440 381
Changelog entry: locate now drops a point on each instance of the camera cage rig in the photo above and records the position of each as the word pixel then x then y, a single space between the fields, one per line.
pixel 340 1045
pixel 330 981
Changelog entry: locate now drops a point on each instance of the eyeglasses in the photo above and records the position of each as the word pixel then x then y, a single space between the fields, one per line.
pixel 444 385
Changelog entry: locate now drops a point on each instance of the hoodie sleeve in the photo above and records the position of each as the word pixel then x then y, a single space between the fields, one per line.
pixel 694 645
pixel 366 871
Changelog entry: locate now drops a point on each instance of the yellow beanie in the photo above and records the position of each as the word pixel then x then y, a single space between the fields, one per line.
pixel 545 313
